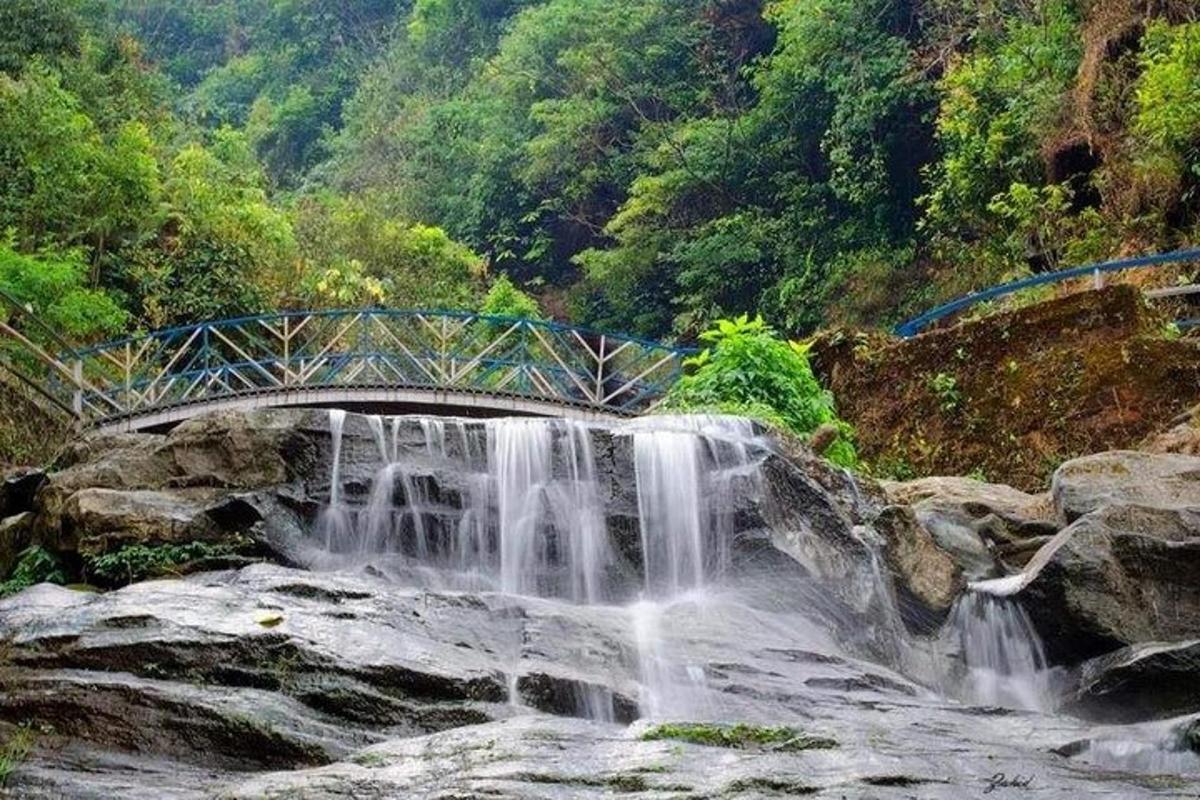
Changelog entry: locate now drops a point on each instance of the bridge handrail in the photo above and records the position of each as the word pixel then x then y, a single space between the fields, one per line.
pixel 914 326
pixel 370 348
pixel 558 327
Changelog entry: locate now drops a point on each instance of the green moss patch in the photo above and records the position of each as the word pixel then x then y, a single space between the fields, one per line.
pixel 740 736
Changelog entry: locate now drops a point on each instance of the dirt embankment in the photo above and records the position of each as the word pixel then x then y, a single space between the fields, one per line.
pixel 1011 396
pixel 29 435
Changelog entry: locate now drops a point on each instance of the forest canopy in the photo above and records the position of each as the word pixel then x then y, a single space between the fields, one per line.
pixel 643 165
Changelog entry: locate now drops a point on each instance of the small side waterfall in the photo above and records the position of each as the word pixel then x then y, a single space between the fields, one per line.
pixel 1003 658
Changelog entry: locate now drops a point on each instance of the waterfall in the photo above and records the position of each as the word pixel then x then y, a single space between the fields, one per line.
pixel 517 506
pixel 670 508
pixel 1003 658
pixel 550 523
pixel 519 452
pixel 335 525
pixel 686 469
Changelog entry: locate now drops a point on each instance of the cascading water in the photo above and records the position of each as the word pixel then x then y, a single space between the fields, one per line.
pixel 670 511
pixel 1003 660
pixel 685 468
pixel 335 524
pixel 516 506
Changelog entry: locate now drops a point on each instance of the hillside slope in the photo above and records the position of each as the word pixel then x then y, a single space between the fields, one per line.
pixel 1012 396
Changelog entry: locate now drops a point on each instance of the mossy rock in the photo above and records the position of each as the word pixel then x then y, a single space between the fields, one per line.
pixel 740 736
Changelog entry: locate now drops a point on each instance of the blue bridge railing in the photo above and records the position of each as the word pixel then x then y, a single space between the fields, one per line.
pixel 915 325
pixel 294 352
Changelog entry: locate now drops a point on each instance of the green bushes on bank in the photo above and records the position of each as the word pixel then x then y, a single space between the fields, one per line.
pixel 747 369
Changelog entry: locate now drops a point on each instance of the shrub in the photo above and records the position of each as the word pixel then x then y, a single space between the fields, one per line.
pixel 748 370
pixel 34 565
pixel 945 388
pixel 138 562
pixel 505 299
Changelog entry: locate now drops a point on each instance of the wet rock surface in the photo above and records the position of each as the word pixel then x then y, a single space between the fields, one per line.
pixel 1143 681
pixel 388 663
pixel 1120 575
pixel 341 685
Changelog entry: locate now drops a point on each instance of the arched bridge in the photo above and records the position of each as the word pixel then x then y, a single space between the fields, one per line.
pixel 448 362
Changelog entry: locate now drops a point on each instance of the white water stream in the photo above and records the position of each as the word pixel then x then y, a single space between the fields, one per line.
pixel 516 506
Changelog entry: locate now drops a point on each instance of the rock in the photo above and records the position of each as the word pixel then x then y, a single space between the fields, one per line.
pixel 1151 680
pixel 17 490
pixel 563 759
pixel 113 461
pixel 1182 437
pixel 229 728
pixel 920 567
pixel 244 450
pixel 977 498
pixel 1119 576
pixel 101 520
pixel 974 521
pixel 172 689
pixel 16 534
pixel 1086 484
pixel 188 485
pixel 400 673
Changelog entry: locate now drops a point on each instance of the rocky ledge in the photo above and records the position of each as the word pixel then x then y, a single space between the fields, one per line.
pixel 272 682
pixel 250 665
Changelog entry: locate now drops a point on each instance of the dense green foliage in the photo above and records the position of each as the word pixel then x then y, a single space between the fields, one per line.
pixel 137 562
pixel 746 369
pixel 672 163
pixel 143 163
pixel 34 565
pixel 645 165
pixel 505 299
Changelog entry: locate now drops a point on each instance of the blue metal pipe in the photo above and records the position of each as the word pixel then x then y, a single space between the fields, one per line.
pixel 913 326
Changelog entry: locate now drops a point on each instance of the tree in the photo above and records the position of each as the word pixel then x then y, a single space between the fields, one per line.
pixel 61 183
pixel 356 253
pixel 54 286
pixel 30 28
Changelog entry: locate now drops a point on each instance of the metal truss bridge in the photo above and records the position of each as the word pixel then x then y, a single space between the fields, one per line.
pixel 439 361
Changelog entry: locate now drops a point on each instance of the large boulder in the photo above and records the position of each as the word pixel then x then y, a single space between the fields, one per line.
pixel 923 571
pixel 1144 681
pixel 214 478
pixel 834 523
pixel 245 451
pixel 1168 481
pixel 1118 576
pixel 976 522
